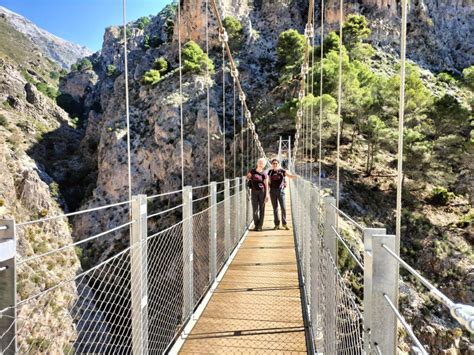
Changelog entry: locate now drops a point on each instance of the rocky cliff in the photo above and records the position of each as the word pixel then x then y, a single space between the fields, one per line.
pixel 438 32
pixel 57 49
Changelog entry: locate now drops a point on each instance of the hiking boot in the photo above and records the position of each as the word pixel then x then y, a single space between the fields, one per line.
pixel 277 227
pixel 285 227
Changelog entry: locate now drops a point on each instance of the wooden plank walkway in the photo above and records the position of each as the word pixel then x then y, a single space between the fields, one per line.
pixel 256 307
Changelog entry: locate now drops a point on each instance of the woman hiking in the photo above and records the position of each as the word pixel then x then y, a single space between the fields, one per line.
pixel 277 177
pixel 258 183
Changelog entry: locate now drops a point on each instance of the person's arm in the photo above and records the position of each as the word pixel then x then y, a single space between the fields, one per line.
pixel 290 176
pixel 249 175
pixel 267 190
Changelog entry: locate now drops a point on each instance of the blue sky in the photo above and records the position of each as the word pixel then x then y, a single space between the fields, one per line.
pixel 81 21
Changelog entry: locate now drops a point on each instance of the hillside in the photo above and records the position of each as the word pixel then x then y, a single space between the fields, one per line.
pixel 57 49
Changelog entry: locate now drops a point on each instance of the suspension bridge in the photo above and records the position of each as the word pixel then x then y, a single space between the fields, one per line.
pixel 204 283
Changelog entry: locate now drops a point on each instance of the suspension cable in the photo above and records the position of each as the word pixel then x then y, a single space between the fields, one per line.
pixel 311 35
pixel 242 140
pixel 339 105
pixel 181 96
pixel 233 138
pixel 401 126
pixel 223 104
pixel 321 97
pixel 208 98
pixel 304 67
pixel 233 69
pixel 127 103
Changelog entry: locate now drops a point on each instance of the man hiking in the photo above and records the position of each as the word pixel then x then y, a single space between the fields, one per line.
pixel 277 177
pixel 258 183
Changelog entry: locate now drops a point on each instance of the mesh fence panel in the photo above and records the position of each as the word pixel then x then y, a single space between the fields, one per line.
pixel 99 314
pixel 336 320
pixel 165 287
pixel 201 254
pixel 221 254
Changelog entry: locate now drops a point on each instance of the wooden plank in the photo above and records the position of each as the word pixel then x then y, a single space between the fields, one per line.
pixel 257 306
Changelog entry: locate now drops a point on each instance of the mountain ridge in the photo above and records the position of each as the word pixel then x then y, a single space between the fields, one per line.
pixel 63 52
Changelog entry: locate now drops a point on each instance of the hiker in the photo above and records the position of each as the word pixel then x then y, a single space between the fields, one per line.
pixel 258 183
pixel 277 177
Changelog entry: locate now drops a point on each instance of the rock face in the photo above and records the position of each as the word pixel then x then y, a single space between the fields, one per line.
pixel 28 192
pixel 438 32
pixel 61 51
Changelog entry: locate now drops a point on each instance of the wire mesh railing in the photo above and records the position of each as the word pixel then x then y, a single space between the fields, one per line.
pixel 137 294
pixel 349 279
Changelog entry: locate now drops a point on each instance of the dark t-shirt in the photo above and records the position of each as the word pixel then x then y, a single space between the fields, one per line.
pixel 257 180
pixel 277 178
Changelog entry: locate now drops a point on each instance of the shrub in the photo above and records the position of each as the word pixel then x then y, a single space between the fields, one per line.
pixel 155 41
pixel 54 75
pixel 142 22
pixel 74 67
pixel 3 121
pixel 146 42
pixel 234 31
pixel 47 90
pixel 290 49
pixel 441 196
pixel 468 75
pixel 355 30
pixel 111 70
pixel 446 78
pixel 151 77
pixel 84 64
pixel 195 60
pixel 54 188
pixel 161 64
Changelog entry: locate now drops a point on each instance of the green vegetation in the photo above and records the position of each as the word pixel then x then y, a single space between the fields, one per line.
pixel 3 121
pixel 195 60
pixel 170 12
pixel 47 90
pixel 54 75
pixel 446 78
pixel 468 76
pixel 142 22
pixel 151 77
pixel 111 70
pixel 290 51
pixel 441 196
pixel 355 30
pixel 235 31
pixel 161 64
pixel 54 189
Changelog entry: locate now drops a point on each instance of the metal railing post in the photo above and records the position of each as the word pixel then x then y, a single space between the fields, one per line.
pixel 384 281
pixel 139 275
pixel 307 237
pixel 243 203
pixel 188 270
pixel 7 287
pixel 213 232
pixel 330 241
pixel 290 166
pixel 330 238
pixel 238 211
pixel 368 233
pixel 227 217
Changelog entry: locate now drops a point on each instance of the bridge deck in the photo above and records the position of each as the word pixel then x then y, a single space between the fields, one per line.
pixel 256 307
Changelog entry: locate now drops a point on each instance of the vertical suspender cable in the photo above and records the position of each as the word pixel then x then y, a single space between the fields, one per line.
pixel 242 140
pixel 181 96
pixel 339 105
pixel 127 105
pixel 401 129
pixel 223 103
pixel 233 139
pixel 312 94
pixel 208 99
pixel 321 96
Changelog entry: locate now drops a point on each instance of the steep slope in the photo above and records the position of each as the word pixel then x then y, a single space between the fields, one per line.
pixel 57 49
pixel 35 134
